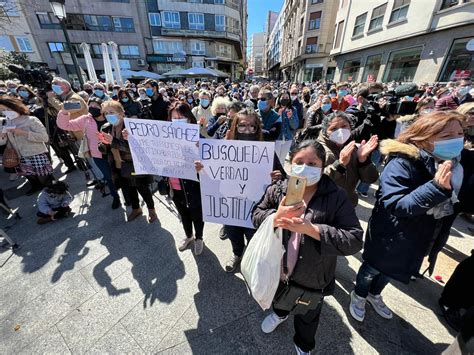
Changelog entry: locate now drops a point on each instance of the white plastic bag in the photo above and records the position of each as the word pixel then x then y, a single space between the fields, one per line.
pixel 261 264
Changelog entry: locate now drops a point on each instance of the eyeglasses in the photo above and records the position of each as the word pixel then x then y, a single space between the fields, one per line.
pixel 245 128
pixel 262 98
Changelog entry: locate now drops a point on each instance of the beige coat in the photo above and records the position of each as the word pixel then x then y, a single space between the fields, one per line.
pixel 71 96
pixel 33 143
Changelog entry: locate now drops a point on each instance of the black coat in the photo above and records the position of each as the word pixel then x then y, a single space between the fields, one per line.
pixel 159 109
pixel 341 233
pixel 192 193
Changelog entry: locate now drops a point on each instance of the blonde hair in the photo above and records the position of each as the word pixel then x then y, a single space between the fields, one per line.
pixel 115 105
pixel 465 108
pixel 218 101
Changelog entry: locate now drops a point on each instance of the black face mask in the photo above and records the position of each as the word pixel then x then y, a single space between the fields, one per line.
pixel 247 136
pixel 307 98
pixel 285 102
pixel 89 91
pixel 94 111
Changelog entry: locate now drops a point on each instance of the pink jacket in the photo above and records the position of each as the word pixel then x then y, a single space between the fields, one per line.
pixel 84 123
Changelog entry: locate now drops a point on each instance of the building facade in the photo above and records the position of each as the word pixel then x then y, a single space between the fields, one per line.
pixel 273 49
pixel 308 32
pixel 15 33
pixel 403 40
pixel 195 33
pixel 257 47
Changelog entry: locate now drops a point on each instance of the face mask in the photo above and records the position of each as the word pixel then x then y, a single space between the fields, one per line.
pixel 13 90
pixel 94 111
pixel 426 111
pixel 294 97
pixel 326 107
pixel 89 91
pixel 179 120
pixel 204 103
pixel 149 91
pixel 340 136
pixel 246 136
pixel 285 102
pixel 307 98
pixel 24 93
pixel 113 119
pixel 262 105
pixel 98 92
pixel 448 149
pixel 57 89
pixel 464 90
pixel 11 115
pixel 333 95
pixel 190 101
pixel 342 93
pixel 125 99
pixel 143 96
pixel 311 173
pixel 115 92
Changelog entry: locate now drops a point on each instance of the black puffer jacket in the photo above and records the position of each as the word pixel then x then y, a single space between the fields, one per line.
pixel 341 233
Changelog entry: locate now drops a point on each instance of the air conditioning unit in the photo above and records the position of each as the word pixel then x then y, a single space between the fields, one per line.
pixel 141 62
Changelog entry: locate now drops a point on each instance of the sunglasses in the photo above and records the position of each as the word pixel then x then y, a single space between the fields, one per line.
pixel 242 128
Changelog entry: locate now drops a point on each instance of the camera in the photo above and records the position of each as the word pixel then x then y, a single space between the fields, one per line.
pixel 35 78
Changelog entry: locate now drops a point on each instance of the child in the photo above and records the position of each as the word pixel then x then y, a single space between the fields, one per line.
pixel 53 202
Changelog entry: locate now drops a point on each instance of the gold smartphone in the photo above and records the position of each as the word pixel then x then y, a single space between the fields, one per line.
pixel 295 192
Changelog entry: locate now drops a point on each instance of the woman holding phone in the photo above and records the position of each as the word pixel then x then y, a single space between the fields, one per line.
pixel 289 125
pixel 323 226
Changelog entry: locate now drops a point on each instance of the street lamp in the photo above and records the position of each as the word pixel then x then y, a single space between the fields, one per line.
pixel 59 10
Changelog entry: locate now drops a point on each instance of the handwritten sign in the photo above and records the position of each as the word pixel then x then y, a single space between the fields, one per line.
pixel 163 148
pixel 234 178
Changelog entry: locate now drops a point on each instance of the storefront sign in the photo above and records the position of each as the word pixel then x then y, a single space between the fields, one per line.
pixel 314 65
pixel 165 59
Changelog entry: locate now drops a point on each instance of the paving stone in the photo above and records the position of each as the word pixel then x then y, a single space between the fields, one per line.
pixel 51 342
pixel 116 341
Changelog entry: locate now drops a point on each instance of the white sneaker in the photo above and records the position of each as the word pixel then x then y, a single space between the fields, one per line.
pixel 198 246
pixel 13 177
pixel 271 322
pixel 379 306
pixel 357 307
pixel 299 351
pixel 184 244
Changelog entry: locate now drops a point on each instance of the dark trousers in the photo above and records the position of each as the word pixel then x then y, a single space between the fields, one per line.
pixel 104 167
pixel 145 193
pixel 63 153
pixel 189 216
pixel 305 326
pixel 61 212
pixel 237 236
pixel 458 292
pixel 370 280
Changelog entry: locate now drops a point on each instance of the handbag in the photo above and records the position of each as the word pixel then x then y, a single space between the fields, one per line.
pixel 11 159
pixel 84 151
pixel 295 298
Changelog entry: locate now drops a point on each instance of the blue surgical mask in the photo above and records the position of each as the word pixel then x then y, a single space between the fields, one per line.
pixel 149 91
pixel 326 107
pixel 179 120
pixel 333 94
pixel 342 92
pixel 464 90
pixel 23 93
pixel 448 149
pixel 57 89
pixel 112 119
pixel 190 101
pixel 12 90
pixel 125 99
pixel 311 173
pixel 98 92
pixel 204 103
pixel 262 105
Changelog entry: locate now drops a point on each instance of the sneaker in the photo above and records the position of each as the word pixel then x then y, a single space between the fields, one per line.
pixel 379 306
pixel 357 307
pixel 152 217
pixel 99 186
pixel 271 322
pixel 13 177
pixel 184 243
pixel 453 316
pixel 363 194
pixel 232 263
pixel 92 183
pixel 222 233
pixel 299 351
pixel 116 203
pixel 198 246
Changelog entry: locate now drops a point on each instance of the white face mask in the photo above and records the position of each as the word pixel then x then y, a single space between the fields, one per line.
pixel 179 120
pixel 10 114
pixel 294 97
pixel 340 136
pixel 311 173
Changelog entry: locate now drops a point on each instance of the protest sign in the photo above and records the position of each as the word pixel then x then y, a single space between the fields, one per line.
pixel 234 178
pixel 163 148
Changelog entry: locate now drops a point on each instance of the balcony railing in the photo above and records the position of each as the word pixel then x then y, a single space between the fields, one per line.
pixel 200 33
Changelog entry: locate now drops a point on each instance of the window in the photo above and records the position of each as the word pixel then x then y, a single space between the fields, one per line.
pixel 47 20
pixel 96 51
pixel 372 67
pixel 24 44
pixel 224 50
pixel 98 23
pixel 57 47
pixel 167 47
pixel 400 10
pixel 75 22
pixel 129 51
pixel 402 64
pixel 196 21
pixel 312 45
pixel 359 25
pixel 350 70
pixel 6 44
pixel 154 18
pixel 123 24
pixel 198 47
pixel 171 19
pixel 459 62
pixel 220 23
pixel 313 2
pixel 232 25
pixel 195 1
pixel 377 17
pixel 315 20
pixel 219 2
pixel 199 64
pixel 301 26
pixel 446 4
pixel 337 41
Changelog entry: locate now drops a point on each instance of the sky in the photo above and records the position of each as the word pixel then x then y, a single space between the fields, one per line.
pixel 257 14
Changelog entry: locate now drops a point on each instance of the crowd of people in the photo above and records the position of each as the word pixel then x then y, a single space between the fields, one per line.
pixel 413 141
